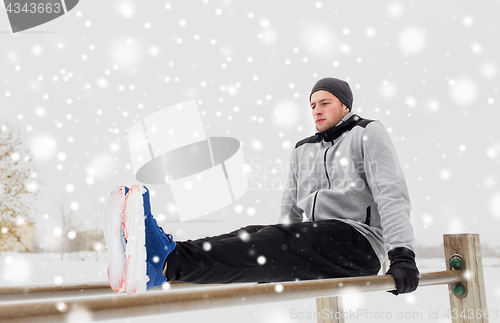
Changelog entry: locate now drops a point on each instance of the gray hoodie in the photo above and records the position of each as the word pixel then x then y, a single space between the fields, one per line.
pixel 351 173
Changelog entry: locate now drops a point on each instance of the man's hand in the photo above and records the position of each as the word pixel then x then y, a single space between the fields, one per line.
pixel 404 270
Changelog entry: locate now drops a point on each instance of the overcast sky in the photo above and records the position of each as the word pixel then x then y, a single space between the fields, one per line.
pixel 428 70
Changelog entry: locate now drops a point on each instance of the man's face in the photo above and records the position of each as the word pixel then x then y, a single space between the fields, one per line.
pixel 327 110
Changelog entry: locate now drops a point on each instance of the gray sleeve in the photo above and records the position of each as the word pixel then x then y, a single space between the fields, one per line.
pixel 290 212
pixel 388 185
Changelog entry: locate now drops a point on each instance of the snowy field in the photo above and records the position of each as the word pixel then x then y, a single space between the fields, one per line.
pixel 427 304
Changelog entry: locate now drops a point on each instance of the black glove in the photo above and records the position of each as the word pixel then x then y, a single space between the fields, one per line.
pixel 404 270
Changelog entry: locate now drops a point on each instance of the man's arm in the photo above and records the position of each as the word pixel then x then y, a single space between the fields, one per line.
pixel 387 183
pixel 290 212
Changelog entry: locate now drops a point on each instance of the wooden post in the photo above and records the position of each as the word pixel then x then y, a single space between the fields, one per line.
pixel 467 304
pixel 330 309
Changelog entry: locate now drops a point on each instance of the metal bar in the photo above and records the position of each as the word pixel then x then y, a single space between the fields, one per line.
pixel 30 292
pixel 153 303
pixel 68 290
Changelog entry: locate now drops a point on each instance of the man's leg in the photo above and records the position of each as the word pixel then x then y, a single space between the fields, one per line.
pixel 273 253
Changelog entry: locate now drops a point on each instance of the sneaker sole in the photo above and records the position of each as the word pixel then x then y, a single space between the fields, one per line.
pixel 113 234
pixel 133 222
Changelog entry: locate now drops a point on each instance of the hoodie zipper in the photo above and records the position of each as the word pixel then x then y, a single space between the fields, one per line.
pixel 327 177
pixel 324 164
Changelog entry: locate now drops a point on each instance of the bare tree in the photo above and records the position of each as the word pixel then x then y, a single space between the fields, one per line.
pixel 18 185
pixel 67 220
pixel 97 238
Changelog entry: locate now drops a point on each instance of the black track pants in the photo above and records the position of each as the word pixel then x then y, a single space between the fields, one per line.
pixel 274 253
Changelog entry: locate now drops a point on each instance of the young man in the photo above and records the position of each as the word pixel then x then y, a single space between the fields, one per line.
pixel 345 180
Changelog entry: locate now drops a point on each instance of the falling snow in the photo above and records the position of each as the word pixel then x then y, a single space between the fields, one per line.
pixel 207 246
pixel 427 72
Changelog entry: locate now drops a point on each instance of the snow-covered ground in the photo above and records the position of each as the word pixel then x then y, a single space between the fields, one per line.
pixel 427 304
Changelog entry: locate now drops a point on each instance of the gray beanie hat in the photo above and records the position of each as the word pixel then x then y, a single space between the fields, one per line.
pixel 336 87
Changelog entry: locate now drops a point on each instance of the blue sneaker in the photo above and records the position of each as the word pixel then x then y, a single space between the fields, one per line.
pixel 147 244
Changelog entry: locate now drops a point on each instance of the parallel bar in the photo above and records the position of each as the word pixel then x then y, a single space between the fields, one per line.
pixel 153 303
pixel 31 292
pixel 68 290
